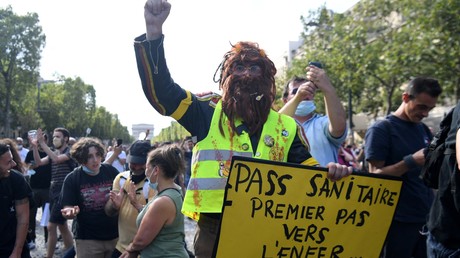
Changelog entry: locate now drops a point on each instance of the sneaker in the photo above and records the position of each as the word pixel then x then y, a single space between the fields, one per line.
pixel 31 245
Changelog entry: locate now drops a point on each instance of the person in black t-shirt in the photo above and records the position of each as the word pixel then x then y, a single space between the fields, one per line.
pixel 394 146
pixel 14 207
pixel 85 193
pixel 39 180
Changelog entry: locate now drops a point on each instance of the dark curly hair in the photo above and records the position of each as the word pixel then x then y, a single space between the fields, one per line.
pixel 10 144
pixel 80 149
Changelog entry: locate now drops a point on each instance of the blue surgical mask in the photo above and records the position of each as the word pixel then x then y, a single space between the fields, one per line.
pixel 88 171
pixel 154 186
pixel 305 107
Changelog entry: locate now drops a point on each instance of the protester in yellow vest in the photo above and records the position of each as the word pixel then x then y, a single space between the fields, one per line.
pixel 241 122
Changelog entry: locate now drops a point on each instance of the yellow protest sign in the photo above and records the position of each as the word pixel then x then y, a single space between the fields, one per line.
pixel 274 209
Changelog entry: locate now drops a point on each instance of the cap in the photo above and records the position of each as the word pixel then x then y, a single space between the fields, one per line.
pixel 138 152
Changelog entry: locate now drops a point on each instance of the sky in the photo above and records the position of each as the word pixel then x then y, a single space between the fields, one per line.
pixel 93 40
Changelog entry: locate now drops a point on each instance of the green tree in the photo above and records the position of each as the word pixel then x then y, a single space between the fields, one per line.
pixel 100 123
pixel 174 133
pixel 374 50
pixel 439 42
pixel 21 43
pixel 71 103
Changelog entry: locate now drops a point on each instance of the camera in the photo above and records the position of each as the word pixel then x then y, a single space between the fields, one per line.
pixel 119 142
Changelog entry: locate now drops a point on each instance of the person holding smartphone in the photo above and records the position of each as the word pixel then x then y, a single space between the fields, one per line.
pixel 120 161
pixel 325 133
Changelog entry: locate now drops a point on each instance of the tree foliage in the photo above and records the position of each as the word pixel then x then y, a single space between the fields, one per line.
pixel 27 102
pixel 70 103
pixel 174 133
pixel 380 45
pixel 21 43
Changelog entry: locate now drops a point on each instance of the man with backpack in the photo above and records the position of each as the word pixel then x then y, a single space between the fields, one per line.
pixel 394 146
pixel 444 219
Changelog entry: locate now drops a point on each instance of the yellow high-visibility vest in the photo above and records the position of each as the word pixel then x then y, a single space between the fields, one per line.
pixel 212 157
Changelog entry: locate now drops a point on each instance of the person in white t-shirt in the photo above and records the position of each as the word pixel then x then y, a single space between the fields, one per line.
pixel 118 163
pixel 21 150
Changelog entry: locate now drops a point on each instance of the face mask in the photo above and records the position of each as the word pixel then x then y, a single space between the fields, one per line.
pixel 305 107
pixel 154 186
pixel 20 146
pixel 57 143
pixel 88 171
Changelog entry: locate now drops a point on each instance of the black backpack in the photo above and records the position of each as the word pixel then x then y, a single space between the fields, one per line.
pixel 434 153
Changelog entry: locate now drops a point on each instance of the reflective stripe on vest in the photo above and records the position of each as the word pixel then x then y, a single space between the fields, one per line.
pixel 205 155
pixel 212 158
pixel 207 183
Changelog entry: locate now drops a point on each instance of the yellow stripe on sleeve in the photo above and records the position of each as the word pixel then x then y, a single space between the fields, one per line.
pixel 310 162
pixel 183 106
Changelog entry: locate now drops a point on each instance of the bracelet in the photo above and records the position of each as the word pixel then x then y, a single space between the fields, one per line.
pixel 410 161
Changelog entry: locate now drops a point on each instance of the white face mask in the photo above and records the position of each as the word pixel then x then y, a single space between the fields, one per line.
pixel 19 146
pixel 305 107
pixel 57 143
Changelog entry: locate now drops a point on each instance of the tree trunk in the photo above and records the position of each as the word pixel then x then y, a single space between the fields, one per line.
pixel 7 124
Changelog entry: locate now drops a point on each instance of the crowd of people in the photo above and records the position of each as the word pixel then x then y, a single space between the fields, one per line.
pixel 79 183
pixel 133 203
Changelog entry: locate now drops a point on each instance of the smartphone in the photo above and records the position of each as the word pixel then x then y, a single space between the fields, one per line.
pixel 317 64
pixel 119 142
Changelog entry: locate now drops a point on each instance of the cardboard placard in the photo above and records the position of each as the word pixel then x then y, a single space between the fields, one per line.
pixel 274 209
